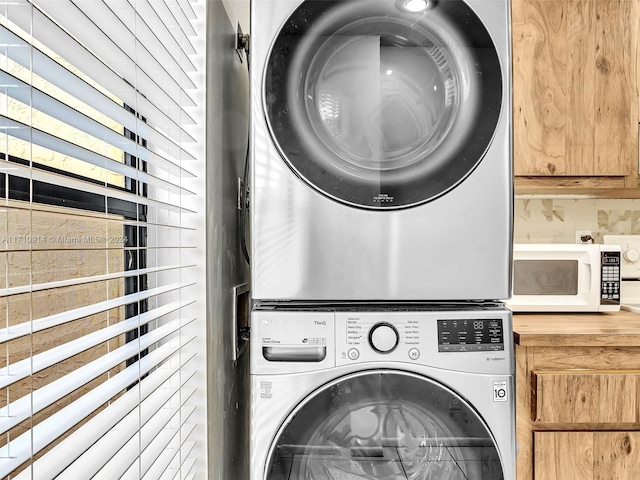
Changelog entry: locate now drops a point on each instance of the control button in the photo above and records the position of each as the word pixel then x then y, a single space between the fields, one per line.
pixel 631 255
pixel 353 353
pixel 383 337
pixel 414 354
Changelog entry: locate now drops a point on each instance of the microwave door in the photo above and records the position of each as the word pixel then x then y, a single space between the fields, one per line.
pixel 551 277
pixel 555 283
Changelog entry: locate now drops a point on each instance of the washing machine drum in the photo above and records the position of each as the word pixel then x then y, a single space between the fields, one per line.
pixel 381 107
pixel 384 425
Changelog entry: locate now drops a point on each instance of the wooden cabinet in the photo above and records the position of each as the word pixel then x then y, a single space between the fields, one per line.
pixel 587 455
pixel 585 396
pixel 578 396
pixel 575 93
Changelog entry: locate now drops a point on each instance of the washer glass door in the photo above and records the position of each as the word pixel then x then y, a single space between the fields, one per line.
pixel 379 106
pixel 384 425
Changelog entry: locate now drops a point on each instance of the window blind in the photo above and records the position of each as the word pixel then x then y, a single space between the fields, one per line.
pixel 101 164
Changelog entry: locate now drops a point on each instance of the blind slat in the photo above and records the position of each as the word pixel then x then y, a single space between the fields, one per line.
pixel 165 14
pixel 121 45
pixel 21 409
pixel 165 451
pixel 154 204
pixel 6 292
pixel 156 436
pixel 183 470
pixel 181 17
pixel 22 369
pixel 79 18
pixel 92 434
pixel 56 144
pixel 21 91
pixel 42 65
pixel 43 102
pixel 187 8
pixel 166 52
pixel 121 437
pixel 123 465
pixel 47 68
pixel 160 29
pixel 26 328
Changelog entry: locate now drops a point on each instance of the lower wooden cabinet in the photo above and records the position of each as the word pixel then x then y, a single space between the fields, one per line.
pixel 578 412
pixel 585 396
pixel 586 455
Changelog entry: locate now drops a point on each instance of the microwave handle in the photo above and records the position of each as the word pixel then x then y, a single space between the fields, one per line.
pixel 589 282
pixel 588 277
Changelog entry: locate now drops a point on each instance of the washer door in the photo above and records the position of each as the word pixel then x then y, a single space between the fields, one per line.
pixel 384 425
pixel 381 107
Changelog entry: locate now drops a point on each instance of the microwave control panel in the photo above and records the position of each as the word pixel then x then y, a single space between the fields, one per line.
pixel 610 278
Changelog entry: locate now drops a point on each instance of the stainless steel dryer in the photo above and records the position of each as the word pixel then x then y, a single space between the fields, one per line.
pixel 381 165
pixel 382 395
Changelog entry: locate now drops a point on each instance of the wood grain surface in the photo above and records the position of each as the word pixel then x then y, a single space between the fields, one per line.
pixel 587 455
pixel 577 329
pixel 539 89
pixel 589 396
pixel 578 396
pixel 575 88
pixel 615 85
pixel 564 455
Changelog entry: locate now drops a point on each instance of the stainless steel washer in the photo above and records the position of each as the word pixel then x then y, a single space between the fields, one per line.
pixel 340 394
pixel 381 166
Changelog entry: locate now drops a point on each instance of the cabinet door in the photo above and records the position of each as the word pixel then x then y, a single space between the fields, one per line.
pixel 586 396
pixel 586 455
pixel 575 87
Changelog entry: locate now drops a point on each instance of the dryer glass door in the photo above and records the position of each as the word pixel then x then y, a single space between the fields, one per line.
pixel 379 106
pixel 384 425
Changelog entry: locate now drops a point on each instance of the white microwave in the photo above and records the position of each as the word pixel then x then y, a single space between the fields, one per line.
pixel 565 278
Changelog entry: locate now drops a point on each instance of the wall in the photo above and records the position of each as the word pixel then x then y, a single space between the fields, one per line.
pixel 238 12
pixel 555 220
pixel 227 130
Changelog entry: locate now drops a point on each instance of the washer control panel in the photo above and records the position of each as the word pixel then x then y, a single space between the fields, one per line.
pixel 475 341
pixel 470 335
pixel 378 337
pixel 431 338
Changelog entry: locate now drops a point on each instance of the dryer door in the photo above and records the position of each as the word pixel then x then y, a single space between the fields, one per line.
pixel 384 425
pixel 379 106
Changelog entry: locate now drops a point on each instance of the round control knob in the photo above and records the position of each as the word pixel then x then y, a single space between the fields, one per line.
pixel 383 337
pixel 631 256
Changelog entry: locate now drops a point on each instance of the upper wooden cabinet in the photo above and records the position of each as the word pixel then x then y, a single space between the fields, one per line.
pixel 575 92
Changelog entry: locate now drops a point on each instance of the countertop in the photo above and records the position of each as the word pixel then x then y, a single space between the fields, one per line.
pixel 577 329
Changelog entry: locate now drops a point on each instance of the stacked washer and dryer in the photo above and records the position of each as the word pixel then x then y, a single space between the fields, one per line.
pixel 381 220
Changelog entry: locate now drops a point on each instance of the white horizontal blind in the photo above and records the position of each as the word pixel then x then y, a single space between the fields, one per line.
pixel 101 164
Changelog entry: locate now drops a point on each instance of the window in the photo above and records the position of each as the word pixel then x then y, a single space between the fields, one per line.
pixel 100 157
